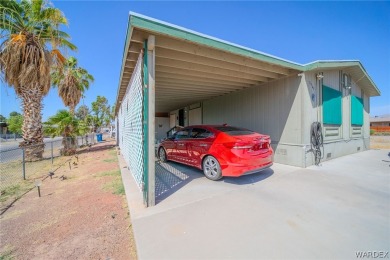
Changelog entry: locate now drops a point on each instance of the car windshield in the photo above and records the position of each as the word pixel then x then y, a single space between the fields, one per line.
pixel 231 130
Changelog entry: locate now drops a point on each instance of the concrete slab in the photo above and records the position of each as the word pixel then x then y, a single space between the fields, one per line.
pixel 329 211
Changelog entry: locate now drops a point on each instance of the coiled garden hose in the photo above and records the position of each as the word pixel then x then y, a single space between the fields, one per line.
pixel 316 140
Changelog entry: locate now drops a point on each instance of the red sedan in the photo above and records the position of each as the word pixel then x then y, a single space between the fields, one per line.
pixel 218 150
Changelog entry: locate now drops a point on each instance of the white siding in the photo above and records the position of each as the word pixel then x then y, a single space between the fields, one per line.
pixel 350 139
pixel 274 109
pixel 195 116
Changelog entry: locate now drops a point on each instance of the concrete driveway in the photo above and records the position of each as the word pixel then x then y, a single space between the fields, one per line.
pixel 335 210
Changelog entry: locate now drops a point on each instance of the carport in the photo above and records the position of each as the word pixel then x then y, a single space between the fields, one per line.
pixel 166 68
pixel 174 76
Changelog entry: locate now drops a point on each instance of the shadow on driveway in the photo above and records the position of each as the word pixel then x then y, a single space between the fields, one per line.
pixel 249 179
pixel 172 176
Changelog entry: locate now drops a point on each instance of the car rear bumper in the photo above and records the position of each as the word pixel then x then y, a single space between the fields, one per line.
pixel 246 167
pixel 258 169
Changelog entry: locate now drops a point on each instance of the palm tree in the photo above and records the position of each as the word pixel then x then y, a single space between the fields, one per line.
pixel 72 81
pixel 30 48
pixel 64 124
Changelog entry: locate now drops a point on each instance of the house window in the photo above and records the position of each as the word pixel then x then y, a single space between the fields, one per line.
pixel 356 110
pixel 331 106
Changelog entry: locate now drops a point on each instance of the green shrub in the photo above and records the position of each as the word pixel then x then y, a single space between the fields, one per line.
pixel 372 131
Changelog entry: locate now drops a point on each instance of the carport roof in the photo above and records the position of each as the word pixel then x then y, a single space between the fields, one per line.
pixel 191 67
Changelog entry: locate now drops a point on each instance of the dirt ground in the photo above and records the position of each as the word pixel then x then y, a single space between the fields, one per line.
pixel 82 213
pixel 380 142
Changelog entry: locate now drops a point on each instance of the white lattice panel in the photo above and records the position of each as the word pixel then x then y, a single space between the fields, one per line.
pixel 130 123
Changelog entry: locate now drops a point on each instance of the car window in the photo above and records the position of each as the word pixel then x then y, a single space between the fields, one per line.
pixel 231 130
pixel 182 134
pixel 200 133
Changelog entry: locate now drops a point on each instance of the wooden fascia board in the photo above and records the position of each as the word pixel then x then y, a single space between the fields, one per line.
pixel 124 57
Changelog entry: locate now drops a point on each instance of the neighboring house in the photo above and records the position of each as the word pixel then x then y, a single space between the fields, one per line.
pixel 380 124
pixel 172 75
pixel 380 121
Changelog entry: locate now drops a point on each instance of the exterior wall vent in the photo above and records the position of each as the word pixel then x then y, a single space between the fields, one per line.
pixel 281 151
pixel 328 155
pixel 358 148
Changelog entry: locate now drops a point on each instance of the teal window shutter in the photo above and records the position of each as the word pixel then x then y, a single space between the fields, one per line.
pixel 356 110
pixel 331 106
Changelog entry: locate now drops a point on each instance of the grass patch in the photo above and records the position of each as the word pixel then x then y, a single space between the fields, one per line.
pixel 115 185
pixel 7 254
pixel 11 173
pixel 112 152
pixel 110 160
pixel 108 173
pixel 112 156
pixel 15 190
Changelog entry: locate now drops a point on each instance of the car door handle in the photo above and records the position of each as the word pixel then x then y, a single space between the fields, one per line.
pixel 203 145
pixel 180 144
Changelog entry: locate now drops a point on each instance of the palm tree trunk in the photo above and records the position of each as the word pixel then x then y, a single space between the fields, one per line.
pixel 71 110
pixel 70 145
pixel 32 124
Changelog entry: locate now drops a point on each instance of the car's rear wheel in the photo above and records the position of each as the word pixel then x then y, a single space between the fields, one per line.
pixel 211 168
pixel 162 155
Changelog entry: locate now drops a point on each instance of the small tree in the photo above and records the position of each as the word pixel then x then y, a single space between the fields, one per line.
pixel 82 112
pixel 66 125
pixel 3 119
pixel 101 111
pixel 15 124
pixel 14 113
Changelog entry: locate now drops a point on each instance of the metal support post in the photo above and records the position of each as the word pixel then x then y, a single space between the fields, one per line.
pixel 151 120
pixel 52 157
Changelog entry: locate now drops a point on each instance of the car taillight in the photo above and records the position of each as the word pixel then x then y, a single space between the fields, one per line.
pixel 238 145
pixel 264 145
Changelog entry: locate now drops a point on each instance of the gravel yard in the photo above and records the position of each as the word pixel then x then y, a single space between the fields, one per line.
pixel 380 142
pixel 82 213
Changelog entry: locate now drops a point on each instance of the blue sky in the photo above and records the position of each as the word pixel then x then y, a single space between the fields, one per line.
pixel 298 31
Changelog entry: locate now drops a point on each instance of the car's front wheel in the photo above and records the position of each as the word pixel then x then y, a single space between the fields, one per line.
pixel 211 168
pixel 162 155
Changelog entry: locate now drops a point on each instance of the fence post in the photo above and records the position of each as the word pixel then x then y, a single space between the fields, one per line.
pixel 24 163
pixel 51 145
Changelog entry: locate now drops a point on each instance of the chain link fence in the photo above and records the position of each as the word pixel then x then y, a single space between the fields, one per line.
pixel 15 168
pixel 10 137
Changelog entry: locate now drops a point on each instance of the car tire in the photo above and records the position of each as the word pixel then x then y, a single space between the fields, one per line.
pixel 211 168
pixel 162 155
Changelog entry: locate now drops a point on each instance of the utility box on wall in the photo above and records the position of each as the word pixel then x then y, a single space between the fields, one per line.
pixel 162 127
